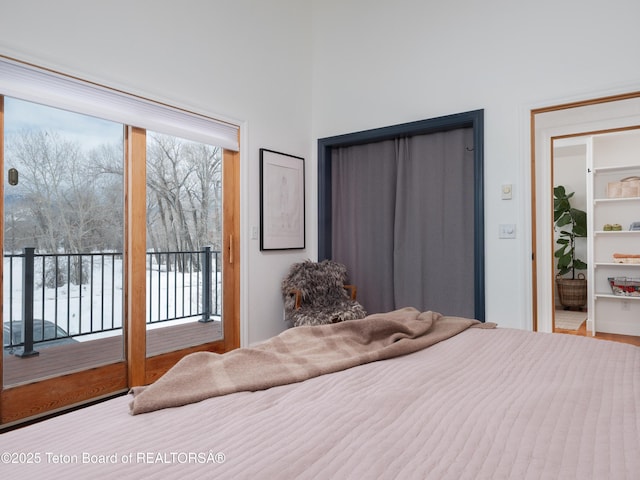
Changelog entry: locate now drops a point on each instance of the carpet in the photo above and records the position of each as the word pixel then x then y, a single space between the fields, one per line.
pixel 569 320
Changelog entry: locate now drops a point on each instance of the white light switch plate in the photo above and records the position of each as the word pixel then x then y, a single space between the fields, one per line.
pixel 507 230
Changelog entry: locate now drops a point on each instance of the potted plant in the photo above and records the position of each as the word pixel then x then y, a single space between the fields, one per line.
pixel 570 223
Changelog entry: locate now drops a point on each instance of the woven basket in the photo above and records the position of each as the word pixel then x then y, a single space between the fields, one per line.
pixel 572 292
pixel 625 188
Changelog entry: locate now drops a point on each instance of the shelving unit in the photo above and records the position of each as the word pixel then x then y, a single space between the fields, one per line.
pixel 612 157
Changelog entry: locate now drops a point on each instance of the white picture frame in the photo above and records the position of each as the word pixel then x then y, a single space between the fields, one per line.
pixel 282 204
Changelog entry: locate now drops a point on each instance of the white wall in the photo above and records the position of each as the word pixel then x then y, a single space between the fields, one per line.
pixel 383 63
pixel 293 71
pixel 248 61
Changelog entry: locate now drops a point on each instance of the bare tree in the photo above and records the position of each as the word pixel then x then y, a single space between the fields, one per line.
pixel 41 158
pixel 71 201
pixel 66 201
pixel 106 166
pixel 204 193
pixel 184 184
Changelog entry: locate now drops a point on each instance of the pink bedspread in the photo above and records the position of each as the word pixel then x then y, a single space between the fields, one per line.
pixel 484 404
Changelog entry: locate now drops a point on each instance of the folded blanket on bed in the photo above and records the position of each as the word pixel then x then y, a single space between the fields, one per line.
pixel 298 354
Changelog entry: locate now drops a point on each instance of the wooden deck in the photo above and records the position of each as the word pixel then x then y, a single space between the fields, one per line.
pixel 62 359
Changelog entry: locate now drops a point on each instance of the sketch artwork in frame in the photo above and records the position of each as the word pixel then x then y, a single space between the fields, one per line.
pixel 281 201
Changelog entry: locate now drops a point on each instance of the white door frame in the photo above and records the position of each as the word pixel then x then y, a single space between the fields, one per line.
pixel 570 119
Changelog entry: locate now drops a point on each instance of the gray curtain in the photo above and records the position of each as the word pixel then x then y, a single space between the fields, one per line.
pixel 403 221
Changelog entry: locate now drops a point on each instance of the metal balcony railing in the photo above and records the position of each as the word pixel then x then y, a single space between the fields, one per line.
pixel 57 297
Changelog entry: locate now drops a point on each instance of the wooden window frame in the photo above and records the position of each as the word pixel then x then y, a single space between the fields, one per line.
pixel 42 398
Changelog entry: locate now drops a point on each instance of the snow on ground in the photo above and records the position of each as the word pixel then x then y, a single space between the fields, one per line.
pixel 97 306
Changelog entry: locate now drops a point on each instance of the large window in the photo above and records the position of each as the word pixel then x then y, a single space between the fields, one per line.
pixel 184 243
pixel 117 252
pixel 63 241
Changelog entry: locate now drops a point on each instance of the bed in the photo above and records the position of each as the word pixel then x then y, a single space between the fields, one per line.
pixel 491 403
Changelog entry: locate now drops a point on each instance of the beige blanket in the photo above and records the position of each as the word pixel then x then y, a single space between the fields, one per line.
pixel 298 354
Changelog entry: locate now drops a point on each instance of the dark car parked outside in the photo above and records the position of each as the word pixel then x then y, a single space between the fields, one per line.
pixel 52 335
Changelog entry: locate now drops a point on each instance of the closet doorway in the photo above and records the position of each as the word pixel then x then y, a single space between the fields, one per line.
pixel 402 208
pixel 549 125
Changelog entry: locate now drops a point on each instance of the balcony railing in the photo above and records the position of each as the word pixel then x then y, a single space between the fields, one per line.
pixel 53 297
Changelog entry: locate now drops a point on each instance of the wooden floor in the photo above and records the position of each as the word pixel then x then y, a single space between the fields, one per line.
pixel 61 359
pixel 582 331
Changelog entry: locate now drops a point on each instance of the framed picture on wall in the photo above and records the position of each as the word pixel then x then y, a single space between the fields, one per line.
pixel 282 209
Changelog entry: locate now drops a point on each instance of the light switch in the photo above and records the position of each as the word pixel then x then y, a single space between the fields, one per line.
pixel 507 191
pixel 507 230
